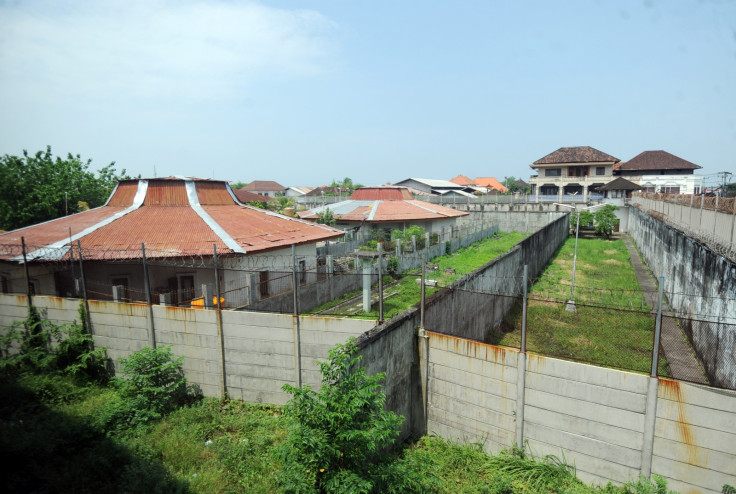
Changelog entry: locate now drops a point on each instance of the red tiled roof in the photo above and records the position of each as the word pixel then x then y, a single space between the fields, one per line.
pixel 578 154
pixel 657 160
pixel 382 194
pixel 245 196
pixel 269 185
pixel 462 180
pixel 170 226
pixel 490 183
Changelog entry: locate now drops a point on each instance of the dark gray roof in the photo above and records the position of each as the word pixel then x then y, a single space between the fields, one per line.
pixel 578 154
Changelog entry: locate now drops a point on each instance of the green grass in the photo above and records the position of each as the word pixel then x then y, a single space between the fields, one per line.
pixel 408 292
pixel 612 325
pixel 216 446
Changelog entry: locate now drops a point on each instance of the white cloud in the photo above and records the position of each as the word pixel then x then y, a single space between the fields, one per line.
pixel 192 49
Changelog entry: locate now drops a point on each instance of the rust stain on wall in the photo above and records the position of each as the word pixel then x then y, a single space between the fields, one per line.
pixel 21 299
pixel 537 361
pixel 490 353
pixel 671 390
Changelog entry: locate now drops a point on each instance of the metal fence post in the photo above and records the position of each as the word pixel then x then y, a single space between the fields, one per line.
pixel 84 287
pixel 149 301
pixel 296 324
pixel 28 276
pixel 220 332
pixel 380 282
pixel 524 309
pixel 657 329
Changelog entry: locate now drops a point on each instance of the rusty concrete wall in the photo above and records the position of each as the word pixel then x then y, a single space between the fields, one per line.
pixel 597 418
pixel 695 437
pixel 700 285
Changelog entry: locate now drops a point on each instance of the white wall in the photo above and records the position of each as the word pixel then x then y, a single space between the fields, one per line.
pixel 610 424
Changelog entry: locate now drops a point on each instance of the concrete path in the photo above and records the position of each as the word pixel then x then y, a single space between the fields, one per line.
pixel 683 363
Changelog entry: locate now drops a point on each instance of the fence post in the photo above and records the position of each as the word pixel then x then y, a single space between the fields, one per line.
pixel 425 339
pixel 296 322
pixel 715 219
pixel 380 282
pixel 28 276
pixel 149 300
pixel 84 287
pixel 657 329
pixel 521 368
pixel 733 223
pixel 651 410
pixel 220 332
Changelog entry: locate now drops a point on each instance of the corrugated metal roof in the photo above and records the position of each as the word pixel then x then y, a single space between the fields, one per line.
pixel 169 225
pixel 382 194
pixel 383 211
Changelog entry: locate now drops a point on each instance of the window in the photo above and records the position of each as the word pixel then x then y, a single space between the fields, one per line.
pixel 263 284
pixel 600 170
pixel 553 172
pixel 577 171
pixel 302 272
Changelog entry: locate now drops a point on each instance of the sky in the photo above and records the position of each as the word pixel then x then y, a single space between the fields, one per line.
pixel 306 92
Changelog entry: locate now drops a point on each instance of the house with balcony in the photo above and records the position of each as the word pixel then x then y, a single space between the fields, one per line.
pixel 571 172
pixel 662 172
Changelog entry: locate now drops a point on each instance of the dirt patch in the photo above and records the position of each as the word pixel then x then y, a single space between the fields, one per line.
pixel 561 261
pixel 581 341
pixel 610 252
pixel 611 261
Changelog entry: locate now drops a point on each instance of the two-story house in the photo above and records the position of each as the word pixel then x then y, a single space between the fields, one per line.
pixel 660 171
pixel 571 171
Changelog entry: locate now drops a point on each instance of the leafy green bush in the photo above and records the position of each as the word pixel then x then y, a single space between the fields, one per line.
pixel 605 220
pixel 153 385
pixel 392 267
pixel 37 345
pixel 337 432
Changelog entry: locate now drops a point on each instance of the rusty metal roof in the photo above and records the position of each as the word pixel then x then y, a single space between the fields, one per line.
pixel 384 204
pixel 172 217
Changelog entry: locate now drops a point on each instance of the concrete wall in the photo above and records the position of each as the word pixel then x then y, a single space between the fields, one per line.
pixel 612 425
pixel 720 225
pixel 459 311
pixel 260 350
pixel 698 281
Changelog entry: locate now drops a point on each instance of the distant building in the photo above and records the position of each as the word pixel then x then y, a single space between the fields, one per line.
pixel 388 208
pixel 180 221
pixel 660 171
pixel 265 188
pixel 576 171
pixel 428 186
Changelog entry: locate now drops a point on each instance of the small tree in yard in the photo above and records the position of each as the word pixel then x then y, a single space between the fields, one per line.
pixel 337 432
pixel 605 220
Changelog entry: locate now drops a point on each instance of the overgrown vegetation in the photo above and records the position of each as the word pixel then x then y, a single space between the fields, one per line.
pixel 54 431
pixel 607 295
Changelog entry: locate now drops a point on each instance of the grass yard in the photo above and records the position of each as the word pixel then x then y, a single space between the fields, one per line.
pixel 408 292
pixel 612 325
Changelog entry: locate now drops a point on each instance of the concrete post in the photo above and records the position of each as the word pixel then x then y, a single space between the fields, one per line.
pixel 380 282
pixel 650 419
pixel 521 368
pixel 414 243
pixel 657 329
pixel 715 219
pixel 118 292
pixel 426 241
pixel 149 300
pixel 398 247
pixel 164 299
pixel 367 271
pixel 208 294
pixel 330 261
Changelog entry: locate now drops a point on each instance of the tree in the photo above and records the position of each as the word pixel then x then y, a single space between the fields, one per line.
pixel 586 218
pixel 338 431
pixel 325 217
pixel 281 203
pixel 41 187
pixel 510 183
pixel 238 185
pixel 605 220
pixel 345 187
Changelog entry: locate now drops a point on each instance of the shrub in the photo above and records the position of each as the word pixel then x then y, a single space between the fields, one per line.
pixel 337 432
pixel 153 385
pixel 37 345
pixel 605 220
